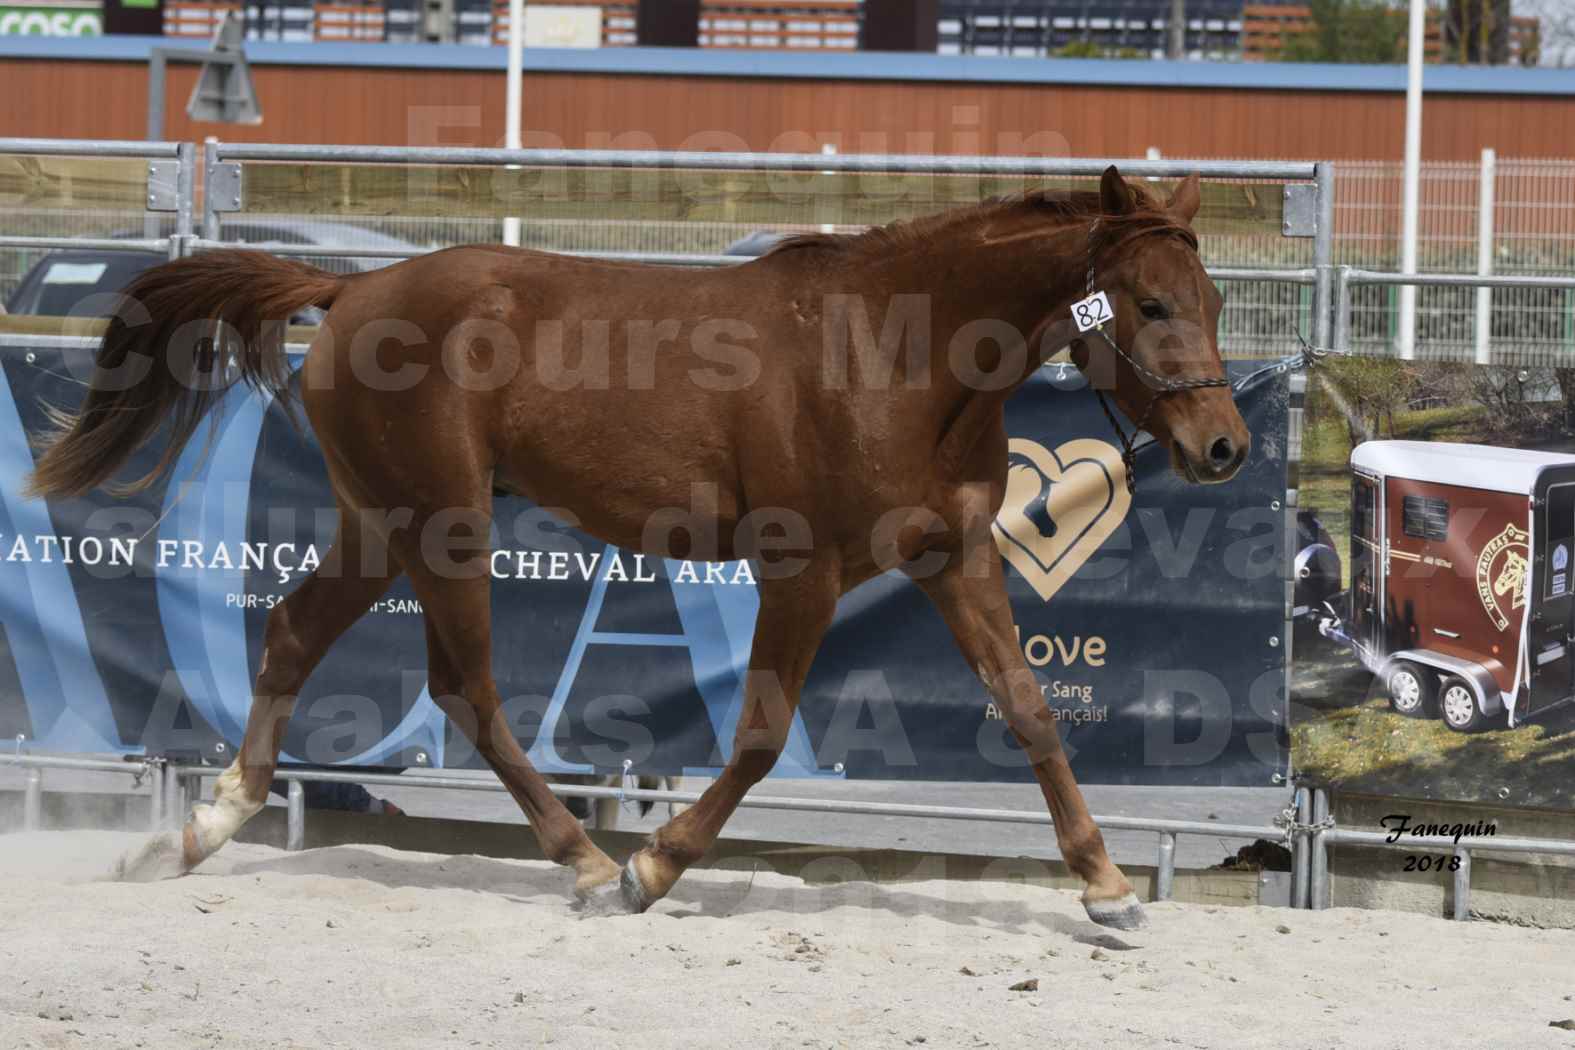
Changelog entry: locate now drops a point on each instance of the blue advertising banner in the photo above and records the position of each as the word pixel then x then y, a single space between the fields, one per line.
pixel 1154 621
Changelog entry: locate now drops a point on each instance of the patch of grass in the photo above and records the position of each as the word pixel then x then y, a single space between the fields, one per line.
pixel 1344 732
pixel 1445 423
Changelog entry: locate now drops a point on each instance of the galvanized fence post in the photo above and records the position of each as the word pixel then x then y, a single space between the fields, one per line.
pixel 1342 309
pixel 155 774
pixel 295 817
pixel 1299 849
pixel 210 164
pixel 174 800
pixel 33 800
pixel 1323 252
pixel 1165 870
pixel 185 199
pixel 1462 902
pixel 1318 881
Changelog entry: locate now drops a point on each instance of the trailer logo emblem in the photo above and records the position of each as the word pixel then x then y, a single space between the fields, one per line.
pixel 1060 506
pixel 1501 574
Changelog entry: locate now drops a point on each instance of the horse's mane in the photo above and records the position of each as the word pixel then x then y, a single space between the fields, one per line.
pixel 1054 208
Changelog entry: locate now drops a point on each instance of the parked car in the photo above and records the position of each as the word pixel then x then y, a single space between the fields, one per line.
pixel 755 244
pixel 63 279
pixel 1317 566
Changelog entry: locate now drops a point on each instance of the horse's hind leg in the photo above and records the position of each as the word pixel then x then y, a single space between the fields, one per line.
pixel 299 632
pixel 459 671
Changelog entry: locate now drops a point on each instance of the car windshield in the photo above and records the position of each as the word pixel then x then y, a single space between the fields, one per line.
pixel 59 287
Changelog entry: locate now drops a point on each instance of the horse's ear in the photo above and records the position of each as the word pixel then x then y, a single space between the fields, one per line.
pixel 1184 203
pixel 1115 196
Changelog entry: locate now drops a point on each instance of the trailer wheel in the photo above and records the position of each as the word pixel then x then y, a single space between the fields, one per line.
pixel 1457 704
pixel 1410 690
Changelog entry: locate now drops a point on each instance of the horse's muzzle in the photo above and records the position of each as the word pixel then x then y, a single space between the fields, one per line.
pixel 1219 460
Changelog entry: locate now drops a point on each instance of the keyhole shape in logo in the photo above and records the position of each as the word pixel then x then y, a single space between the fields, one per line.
pixel 1060 506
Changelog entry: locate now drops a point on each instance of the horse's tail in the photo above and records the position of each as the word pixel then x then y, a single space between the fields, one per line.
pixel 192 327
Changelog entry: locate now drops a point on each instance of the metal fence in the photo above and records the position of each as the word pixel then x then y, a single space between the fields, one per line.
pixel 616 204
pixel 1306 825
pixel 291 200
pixel 1513 217
pixel 296 198
pixel 1473 333
pixel 623 205
pixel 1496 216
pixel 60 193
pixel 173 788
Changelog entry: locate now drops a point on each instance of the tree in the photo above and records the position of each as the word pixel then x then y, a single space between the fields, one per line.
pixel 1368 391
pixel 1502 392
pixel 1556 30
pixel 1349 31
pixel 1090 49
pixel 1565 377
pixel 1477 31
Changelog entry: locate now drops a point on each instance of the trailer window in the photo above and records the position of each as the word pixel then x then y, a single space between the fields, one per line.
pixel 1362 509
pixel 1559 526
pixel 1425 519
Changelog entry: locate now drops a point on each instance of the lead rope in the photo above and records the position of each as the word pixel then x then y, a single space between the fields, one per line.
pixel 1162 384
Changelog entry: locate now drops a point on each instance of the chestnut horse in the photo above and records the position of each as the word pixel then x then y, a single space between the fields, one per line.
pixel 619 395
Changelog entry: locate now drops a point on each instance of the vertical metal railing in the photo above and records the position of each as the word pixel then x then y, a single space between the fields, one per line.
pixel 185 199
pixel 1165 867
pixel 1318 853
pixel 1299 848
pixel 33 801
pixel 295 817
pixel 1323 254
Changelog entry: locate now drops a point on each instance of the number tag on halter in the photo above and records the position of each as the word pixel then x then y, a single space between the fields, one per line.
pixel 1091 312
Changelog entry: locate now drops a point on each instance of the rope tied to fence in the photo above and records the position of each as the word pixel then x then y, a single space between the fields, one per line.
pixel 626 778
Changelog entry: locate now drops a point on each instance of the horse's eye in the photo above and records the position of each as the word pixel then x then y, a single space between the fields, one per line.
pixel 1153 309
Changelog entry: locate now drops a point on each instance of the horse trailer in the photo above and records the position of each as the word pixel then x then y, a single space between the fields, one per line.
pixel 1460 597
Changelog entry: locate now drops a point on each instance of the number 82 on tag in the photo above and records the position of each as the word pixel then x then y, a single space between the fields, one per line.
pixel 1092 312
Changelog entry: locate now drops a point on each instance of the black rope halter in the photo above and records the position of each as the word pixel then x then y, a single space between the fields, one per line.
pixel 1161 385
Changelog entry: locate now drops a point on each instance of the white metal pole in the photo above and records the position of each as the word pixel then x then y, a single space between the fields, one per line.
pixel 513 115
pixel 1485 253
pixel 1413 166
pixel 828 149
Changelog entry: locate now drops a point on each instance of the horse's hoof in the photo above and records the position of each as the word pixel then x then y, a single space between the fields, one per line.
pixel 1124 913
pixel 163 856
pixel 625 896
pixel 598 901
pixel 604 873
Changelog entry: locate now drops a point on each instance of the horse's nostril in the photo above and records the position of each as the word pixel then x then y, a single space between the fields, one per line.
pixel 1223 452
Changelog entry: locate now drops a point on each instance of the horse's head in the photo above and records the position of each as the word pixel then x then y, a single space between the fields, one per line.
pixel 1145 259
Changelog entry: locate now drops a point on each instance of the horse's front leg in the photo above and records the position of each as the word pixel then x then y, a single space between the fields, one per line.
pixel 794 615
pixel 971 594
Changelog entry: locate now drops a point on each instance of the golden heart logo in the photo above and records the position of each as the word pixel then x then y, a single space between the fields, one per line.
pixel 1060 507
